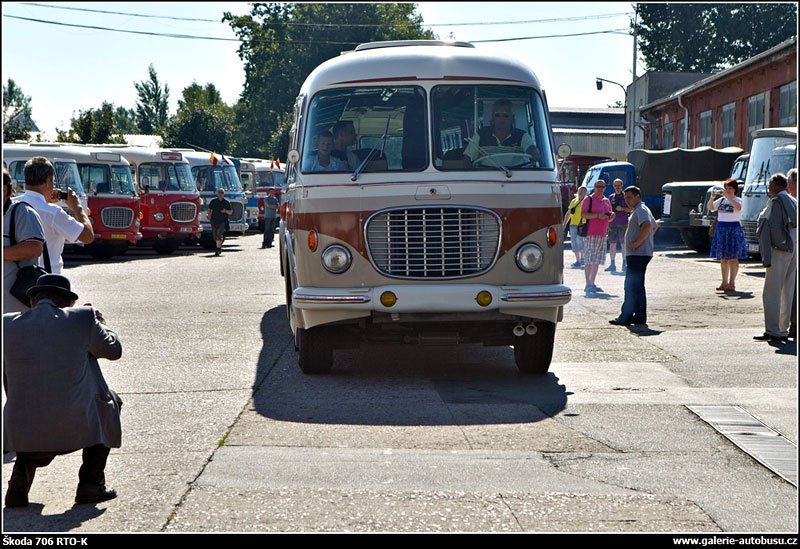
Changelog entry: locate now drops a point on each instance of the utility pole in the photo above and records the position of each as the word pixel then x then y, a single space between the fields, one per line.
pixel 634 121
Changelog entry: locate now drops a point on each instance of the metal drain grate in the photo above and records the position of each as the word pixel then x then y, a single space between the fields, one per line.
pixel 768 447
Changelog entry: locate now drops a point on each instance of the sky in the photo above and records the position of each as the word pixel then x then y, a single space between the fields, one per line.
pixel 67 69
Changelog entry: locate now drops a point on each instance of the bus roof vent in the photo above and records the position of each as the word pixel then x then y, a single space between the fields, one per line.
pixel 399 43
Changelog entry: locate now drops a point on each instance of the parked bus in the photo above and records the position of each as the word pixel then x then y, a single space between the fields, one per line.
pixel 269 176
pixel 114 215
pixel 427 239
pixel 774 150
pixel 168 197
pixel 211 172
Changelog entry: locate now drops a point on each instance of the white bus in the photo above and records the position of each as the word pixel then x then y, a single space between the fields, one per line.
pixel 447 227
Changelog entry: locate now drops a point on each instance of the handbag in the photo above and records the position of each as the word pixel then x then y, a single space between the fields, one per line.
pixel 28 275
pixel 583 228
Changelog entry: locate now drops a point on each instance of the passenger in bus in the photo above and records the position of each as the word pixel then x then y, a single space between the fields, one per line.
pixel 322 161
pixel 344 136
pixel 145 183
pixel 499 133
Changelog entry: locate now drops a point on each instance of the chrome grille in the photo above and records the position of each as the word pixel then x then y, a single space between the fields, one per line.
pixel 749 228
pixel 238 212
pixel 183 212
pixel 433 243
pixel 115 217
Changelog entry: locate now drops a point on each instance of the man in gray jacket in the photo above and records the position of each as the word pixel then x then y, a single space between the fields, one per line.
pixel 57 400
pixel 777 239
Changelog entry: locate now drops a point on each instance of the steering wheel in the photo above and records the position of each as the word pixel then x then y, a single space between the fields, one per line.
pixel 500 159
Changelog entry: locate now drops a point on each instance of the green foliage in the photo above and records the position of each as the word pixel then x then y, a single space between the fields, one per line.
pixel 152 107
pixel 707 37
pixel 283 43
pixel 93 126
pixel 16 113
pixel 126 120
pixel 203 120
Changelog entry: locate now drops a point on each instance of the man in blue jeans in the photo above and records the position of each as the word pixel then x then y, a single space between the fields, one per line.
pixel 638 252
pixel 271 206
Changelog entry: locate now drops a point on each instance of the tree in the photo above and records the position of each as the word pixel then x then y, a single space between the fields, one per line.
pixel 707 37
pixel 283 43
pixel 152 108
pixel 16 113
pixel 126 120
pixel 93 126
pixel 203 120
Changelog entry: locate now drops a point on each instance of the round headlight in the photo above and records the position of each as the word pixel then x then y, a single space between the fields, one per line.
pixel 336 259
pixel 158 216
pixel 529 257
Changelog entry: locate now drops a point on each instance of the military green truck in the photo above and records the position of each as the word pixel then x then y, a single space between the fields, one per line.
pixel 681 195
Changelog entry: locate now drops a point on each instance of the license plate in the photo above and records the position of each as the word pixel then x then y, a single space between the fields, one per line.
pixel 705 222
pixel 186 229
pixel 752 248
pixel 119 236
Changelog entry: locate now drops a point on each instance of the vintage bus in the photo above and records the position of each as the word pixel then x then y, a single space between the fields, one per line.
pixel 211 172
pixel 168 197
pixel 440 232
pixel 104 181
pixel 774 150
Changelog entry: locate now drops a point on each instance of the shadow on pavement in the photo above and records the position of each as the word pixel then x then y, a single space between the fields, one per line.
pixel 784 347
pixel 30 519
pixel 382 384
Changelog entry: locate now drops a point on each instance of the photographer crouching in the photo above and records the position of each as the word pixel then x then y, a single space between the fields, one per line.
pixel 57 400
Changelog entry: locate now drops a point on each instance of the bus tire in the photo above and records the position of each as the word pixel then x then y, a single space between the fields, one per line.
pixel 315 351
pixel 101 250
pixel 533 353
pixel 696 239
pixel 166 246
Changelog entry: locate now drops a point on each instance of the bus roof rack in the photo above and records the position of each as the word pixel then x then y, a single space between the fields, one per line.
pixel 399 43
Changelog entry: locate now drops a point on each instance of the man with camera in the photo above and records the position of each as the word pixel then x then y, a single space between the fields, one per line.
pixel 42 195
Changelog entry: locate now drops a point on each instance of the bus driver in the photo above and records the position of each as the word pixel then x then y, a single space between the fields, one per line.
pixel 499 137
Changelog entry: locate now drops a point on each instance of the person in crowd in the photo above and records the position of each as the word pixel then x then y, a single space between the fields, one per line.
pixel 617 227
pixel 639 248
pixel 25 248
pixel 323 161
pixel 572 219
pixel 499 133
pixel 218 211
pixel 271 206
pixel 59 227
pixel 791 188
pixel 57 400
pixel 728 243
pixel 344 137
pixel 777 239
pixel 596 210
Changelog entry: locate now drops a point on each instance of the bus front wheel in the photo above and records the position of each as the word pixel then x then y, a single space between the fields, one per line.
pixel 533 353
pixel 315 350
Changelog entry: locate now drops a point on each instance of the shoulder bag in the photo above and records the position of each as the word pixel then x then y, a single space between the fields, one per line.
pixel 28 275
pixel 583 228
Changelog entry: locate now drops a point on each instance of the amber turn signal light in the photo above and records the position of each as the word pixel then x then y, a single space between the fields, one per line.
pixel 312 241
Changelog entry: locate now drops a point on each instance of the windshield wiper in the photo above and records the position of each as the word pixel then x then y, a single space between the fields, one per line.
pixel 367 158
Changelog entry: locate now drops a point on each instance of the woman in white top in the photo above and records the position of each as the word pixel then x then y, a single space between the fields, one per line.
pixel 728 243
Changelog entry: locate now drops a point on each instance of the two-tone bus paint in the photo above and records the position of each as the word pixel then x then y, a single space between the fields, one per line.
pixel 434 236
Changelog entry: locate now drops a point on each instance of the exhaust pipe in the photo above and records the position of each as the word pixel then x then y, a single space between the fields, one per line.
pixel 519 330
pixel 531 329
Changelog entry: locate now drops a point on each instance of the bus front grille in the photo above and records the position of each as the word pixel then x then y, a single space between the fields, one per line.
pixel 433 242
pixel 183 212
pixel 115 217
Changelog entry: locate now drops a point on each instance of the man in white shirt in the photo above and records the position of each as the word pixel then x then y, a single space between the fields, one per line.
pixel 42 195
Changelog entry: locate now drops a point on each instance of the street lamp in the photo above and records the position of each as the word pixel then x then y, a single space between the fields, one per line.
pixel 599 83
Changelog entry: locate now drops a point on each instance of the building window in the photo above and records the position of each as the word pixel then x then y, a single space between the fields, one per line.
pixel 669 137
pixel 729 125
pixel 654 137
pixel 755 117
pixel 705 128
pixel 788 105
pixel 682 132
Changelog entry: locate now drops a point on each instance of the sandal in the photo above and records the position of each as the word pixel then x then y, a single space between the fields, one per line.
pixel 730 288
pixel 722 288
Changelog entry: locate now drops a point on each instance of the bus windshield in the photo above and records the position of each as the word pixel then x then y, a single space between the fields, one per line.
pixel 123 181
pixel 769 155
pixel 68 177
pixel 489 127
pixel 347 125
pixel 163 176
pixel 211 178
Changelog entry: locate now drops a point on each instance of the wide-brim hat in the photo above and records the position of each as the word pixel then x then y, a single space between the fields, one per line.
pixel 52 283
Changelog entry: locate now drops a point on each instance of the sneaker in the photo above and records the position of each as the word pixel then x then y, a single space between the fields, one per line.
pixel 576 265
pixel 591 289
pixel 611 268
pixel 597 289
pixel 216 254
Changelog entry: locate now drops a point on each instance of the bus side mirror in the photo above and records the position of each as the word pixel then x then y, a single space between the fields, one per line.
pixel 147 189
